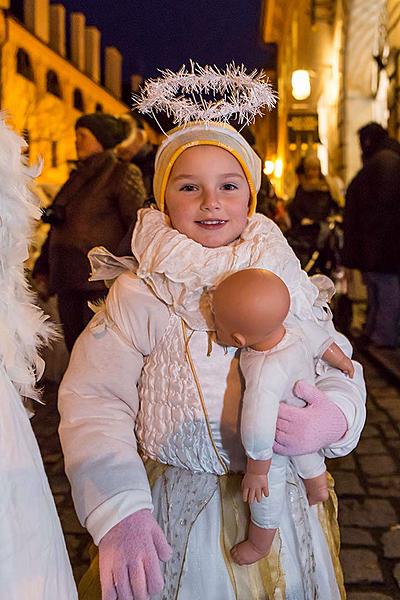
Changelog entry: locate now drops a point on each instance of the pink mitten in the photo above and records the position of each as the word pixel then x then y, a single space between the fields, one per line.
pixel 308 429
pixel 130 555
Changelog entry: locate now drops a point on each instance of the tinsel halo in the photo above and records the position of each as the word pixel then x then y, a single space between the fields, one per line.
pixel 207 94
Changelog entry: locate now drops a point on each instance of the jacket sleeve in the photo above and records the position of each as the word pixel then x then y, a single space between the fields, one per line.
pixel 130 192
pixel 98 403
pixel 348 394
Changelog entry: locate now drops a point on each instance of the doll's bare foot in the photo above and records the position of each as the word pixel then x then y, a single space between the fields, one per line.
pixel 257 545
pixel 317 489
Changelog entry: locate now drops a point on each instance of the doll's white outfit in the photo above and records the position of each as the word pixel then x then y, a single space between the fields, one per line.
pixel 146 375
pixel 270 377
pixel 34 564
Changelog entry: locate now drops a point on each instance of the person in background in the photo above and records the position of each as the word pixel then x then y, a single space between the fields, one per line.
pixel 371 232
pixel 138 149
pixel 95 207
pixel 316 197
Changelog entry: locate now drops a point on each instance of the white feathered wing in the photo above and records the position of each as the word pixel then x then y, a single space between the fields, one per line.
pixel 34 563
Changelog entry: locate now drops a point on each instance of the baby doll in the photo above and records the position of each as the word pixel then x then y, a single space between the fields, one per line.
pixel 249 308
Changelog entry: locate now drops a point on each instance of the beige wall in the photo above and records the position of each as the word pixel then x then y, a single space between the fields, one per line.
pixel 48 119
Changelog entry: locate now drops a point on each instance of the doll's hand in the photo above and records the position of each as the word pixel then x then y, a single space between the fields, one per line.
pixel 308 429
pixel 130 555
pixel 347 366
pixel 254 487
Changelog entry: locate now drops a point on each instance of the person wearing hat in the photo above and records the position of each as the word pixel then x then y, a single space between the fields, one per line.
pixel 94 207
pixel 150 403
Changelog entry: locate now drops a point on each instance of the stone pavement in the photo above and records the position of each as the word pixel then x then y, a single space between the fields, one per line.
pixel 368 486
pixel 367 483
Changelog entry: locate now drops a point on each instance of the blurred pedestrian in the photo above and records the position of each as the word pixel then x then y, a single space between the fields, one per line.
pixel 95 207
pixel 138 149
pixel 372 232
pixel 316 197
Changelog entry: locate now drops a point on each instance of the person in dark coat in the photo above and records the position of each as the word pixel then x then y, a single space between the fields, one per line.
pixel 314 198
pixel 372 232
pixel 96 206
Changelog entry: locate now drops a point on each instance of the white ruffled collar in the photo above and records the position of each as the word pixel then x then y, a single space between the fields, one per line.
pixel 181 272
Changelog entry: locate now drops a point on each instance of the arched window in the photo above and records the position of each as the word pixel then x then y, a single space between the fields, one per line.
pixel 53 84
pixel 78 100
pixel 24 65
pixel 99 107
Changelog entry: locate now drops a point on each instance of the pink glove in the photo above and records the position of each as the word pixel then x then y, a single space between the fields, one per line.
pixel 310 428
pixel 130 555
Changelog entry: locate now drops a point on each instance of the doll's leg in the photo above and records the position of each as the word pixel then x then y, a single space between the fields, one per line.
pixel 317 489
pixel 265 517
pixel 312 469
pixel 257 545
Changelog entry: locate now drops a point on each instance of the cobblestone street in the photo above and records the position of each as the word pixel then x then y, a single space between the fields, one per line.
pixel 367 483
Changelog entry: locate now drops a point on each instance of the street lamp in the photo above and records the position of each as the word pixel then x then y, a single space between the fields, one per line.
pixel 301 86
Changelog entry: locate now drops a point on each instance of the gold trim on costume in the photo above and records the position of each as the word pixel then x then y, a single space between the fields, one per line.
pixel 264 579
pixel 327 515
pixel 197 382
pixel 178 152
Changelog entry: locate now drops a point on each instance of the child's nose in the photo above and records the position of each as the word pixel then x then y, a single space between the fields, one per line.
pixel 209 199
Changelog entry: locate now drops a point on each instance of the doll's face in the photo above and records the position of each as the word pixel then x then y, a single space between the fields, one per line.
pixel 207 196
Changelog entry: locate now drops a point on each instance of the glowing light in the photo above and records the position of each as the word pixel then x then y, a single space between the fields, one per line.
pixel 301 86
pixel 278 168
pixel 269 167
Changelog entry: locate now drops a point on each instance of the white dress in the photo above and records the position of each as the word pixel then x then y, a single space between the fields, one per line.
pixel 147 363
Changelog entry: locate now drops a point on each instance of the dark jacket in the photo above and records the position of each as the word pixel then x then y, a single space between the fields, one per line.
pixel 372 215
pixel 314 204
pixel 97 205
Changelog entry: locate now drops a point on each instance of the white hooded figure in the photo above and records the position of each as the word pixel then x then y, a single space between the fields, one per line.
pixel 33 558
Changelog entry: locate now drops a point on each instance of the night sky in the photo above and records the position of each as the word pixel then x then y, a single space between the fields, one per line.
pixel 155 34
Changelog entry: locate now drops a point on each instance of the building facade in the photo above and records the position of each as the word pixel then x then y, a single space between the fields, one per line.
pixel 348 50
pixel 44 91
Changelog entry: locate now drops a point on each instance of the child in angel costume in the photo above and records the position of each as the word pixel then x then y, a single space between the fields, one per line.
pixel 150 403
pixel 277 362
pixel 33 559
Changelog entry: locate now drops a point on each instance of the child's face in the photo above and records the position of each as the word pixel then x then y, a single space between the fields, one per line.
pixel 207 196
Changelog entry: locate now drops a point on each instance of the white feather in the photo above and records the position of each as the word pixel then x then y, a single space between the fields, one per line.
pixel 23 326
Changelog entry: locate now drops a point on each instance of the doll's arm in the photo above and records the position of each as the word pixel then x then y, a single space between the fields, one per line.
pixel 335 357
pixel 255 480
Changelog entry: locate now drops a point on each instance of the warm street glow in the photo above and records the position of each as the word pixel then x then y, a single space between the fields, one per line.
pixel 278 168
pixel 269 167
pixel 301 86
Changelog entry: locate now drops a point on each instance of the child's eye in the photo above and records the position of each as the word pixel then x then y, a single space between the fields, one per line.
pixel 188 187
pixel 229 186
